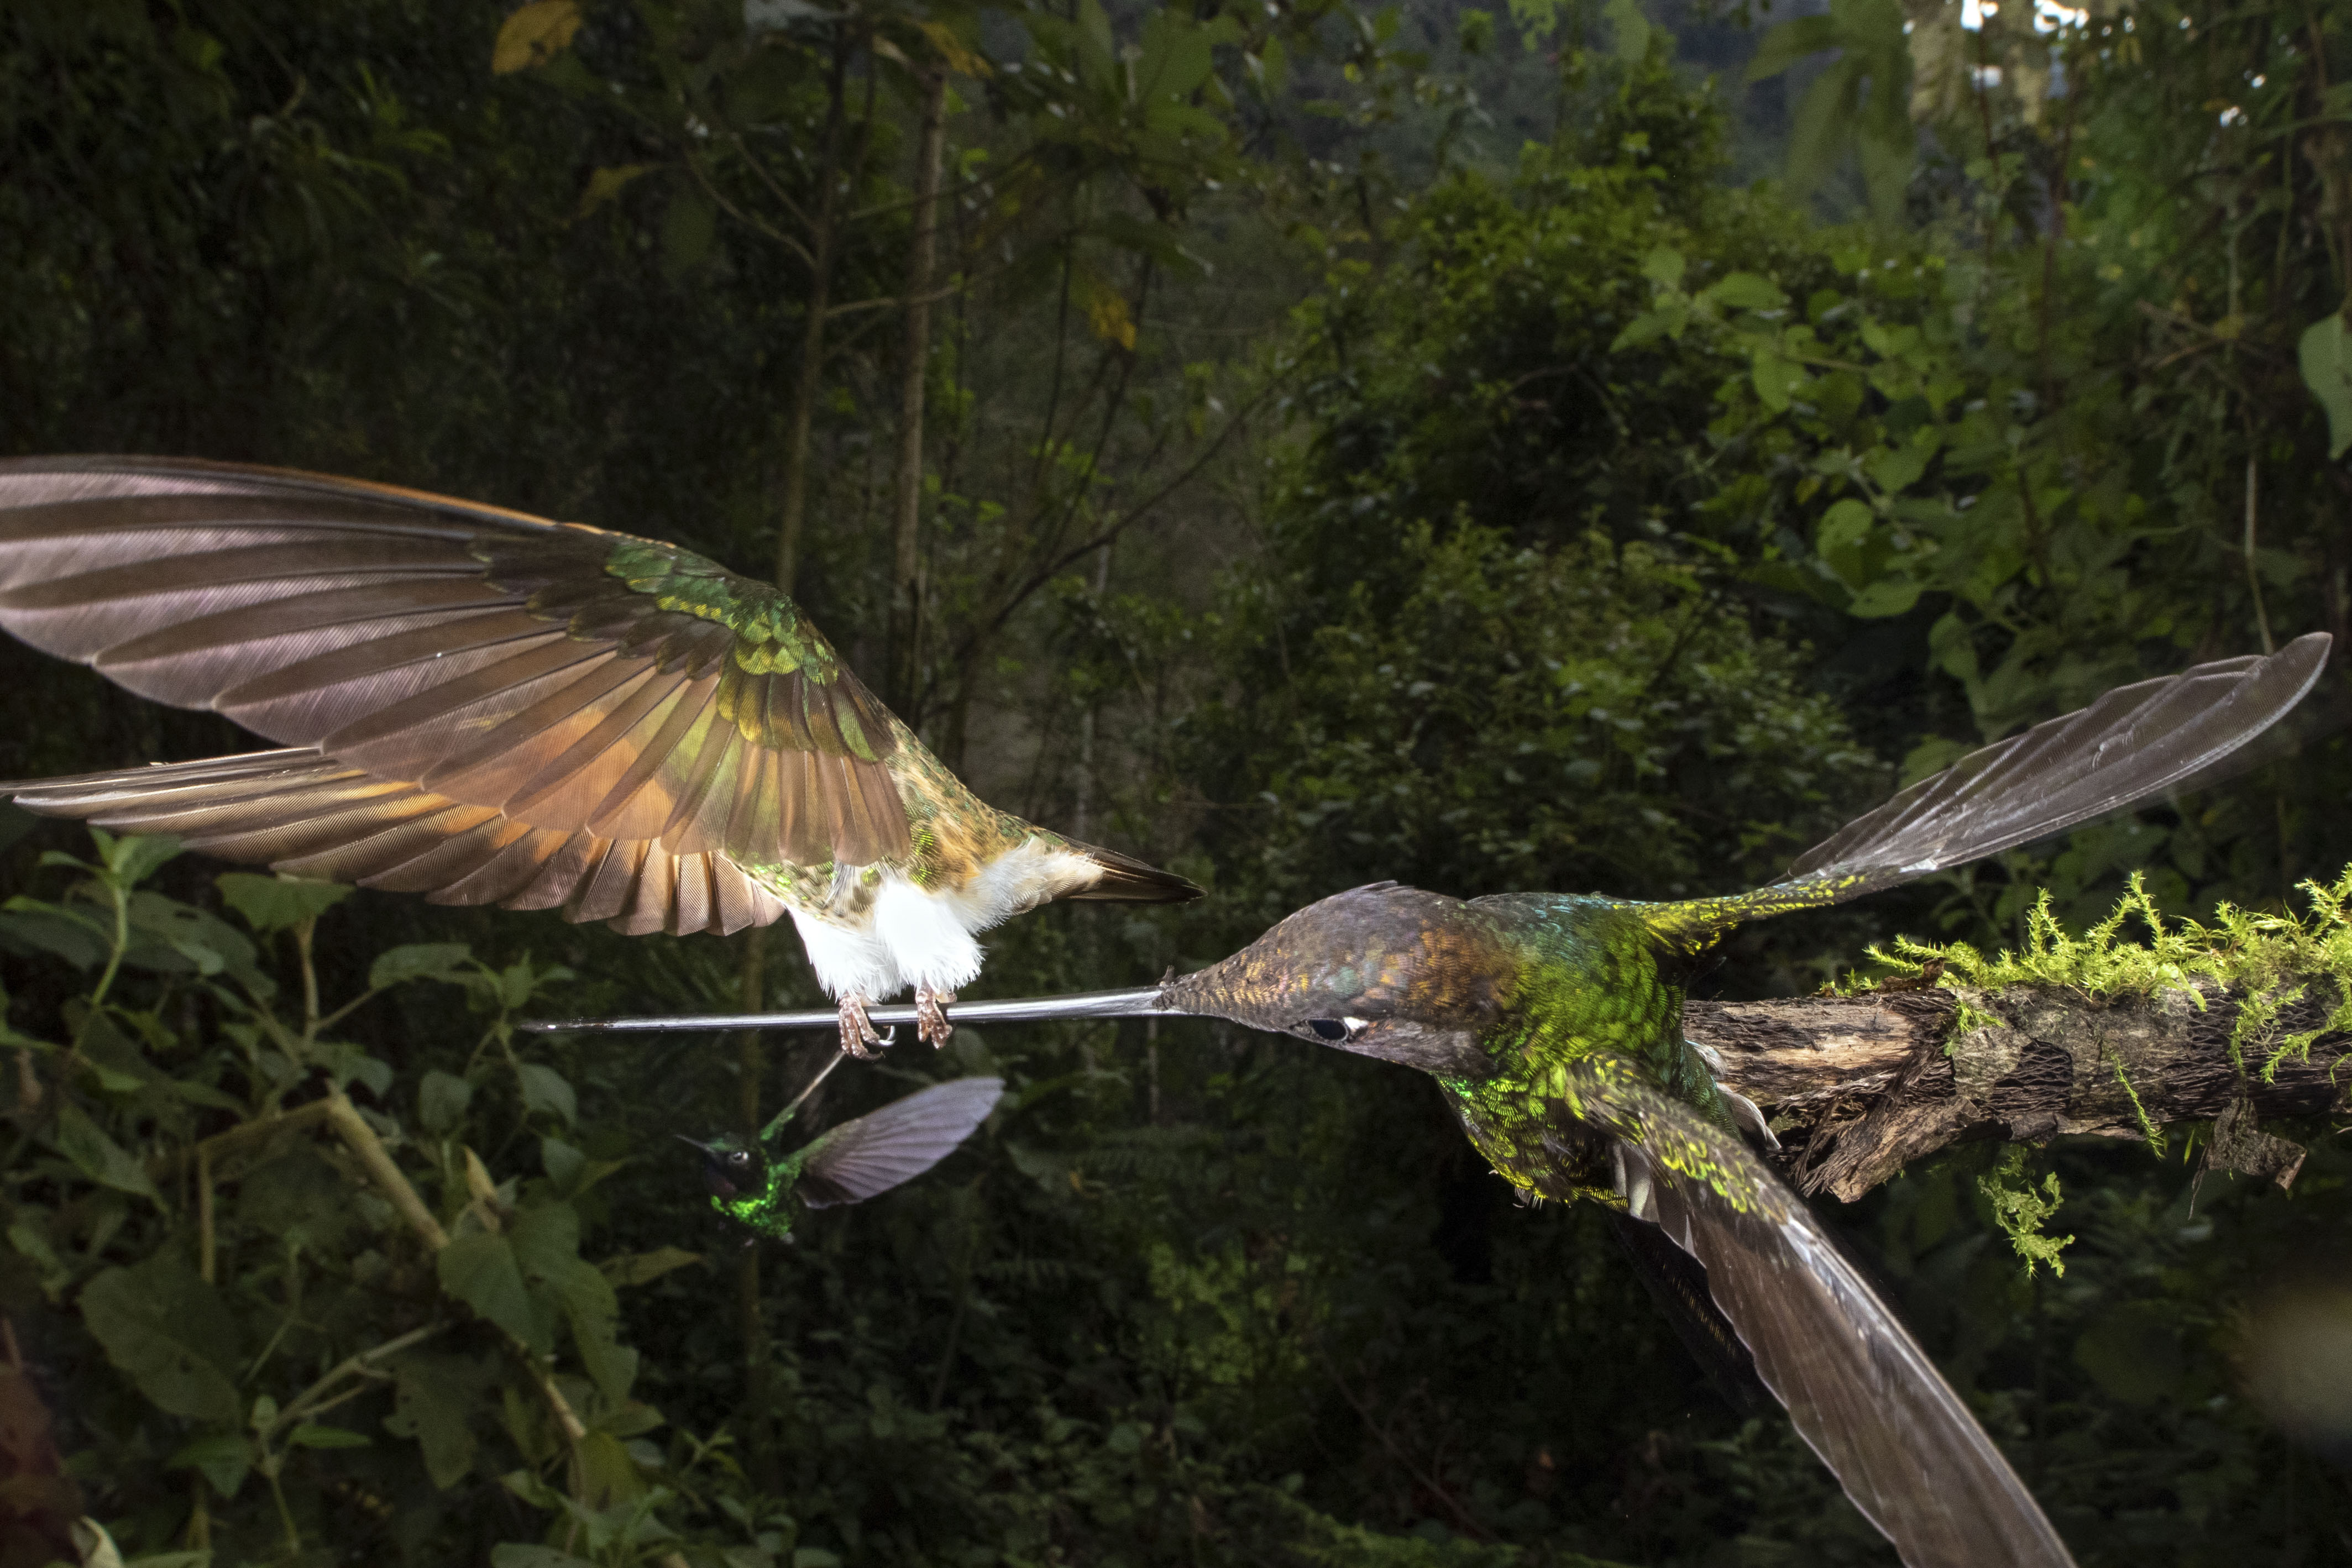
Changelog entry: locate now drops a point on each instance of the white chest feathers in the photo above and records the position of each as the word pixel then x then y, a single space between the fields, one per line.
pixel 908 936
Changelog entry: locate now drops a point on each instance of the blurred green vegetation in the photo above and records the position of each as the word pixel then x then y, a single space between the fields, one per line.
pixel 1359 444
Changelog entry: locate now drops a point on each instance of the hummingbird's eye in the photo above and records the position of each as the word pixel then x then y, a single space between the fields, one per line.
pixel 1335 1029
pixel 740 1157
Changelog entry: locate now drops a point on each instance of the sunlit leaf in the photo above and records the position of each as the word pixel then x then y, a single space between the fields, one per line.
pixel 534 34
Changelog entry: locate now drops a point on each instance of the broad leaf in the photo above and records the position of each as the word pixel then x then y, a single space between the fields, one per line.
pixel 480 1269
pixel 170 1332
pixel 419 961
pixel 2326 356
pixel 279 903
pixel 100 1158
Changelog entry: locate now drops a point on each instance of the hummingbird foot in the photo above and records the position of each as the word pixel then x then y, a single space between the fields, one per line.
pixel 858 1036
pixel 931 1024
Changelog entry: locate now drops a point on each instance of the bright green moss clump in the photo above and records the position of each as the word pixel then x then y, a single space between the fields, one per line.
pixel 2269 961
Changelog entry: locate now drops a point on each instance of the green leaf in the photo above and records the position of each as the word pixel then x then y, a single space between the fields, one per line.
pixel 1747 291
pixel 1776 379
pixel 2325 355
pixel 1843 526
pixel 279 903
pixel 561 1162
pixel 223 1458
pixel 637 1268
pixel 100 1158
pixel 480 1269
pixel 1631 29
pixel 419 961
pixel 1664 267
pixel 1886 596
pixel 307 1436
pixel 441 1100
pixel 165 1327
pixel 434 1400
pixel 134 859
pixel 29 926
pixel 544 1088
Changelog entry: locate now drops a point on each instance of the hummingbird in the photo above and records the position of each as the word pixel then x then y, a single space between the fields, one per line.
pixel 757 1186
pixel 1553 1026
pixel 487 707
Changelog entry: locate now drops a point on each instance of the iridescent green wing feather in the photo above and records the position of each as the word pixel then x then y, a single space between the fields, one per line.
pixel 897 1144
pixel 1857 1388
pixel 587 688
pixel 2132 743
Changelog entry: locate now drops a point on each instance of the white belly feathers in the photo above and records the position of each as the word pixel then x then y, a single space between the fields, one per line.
pixel 908 936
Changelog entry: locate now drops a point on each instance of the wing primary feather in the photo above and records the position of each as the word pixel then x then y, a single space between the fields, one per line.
pixel 897 1144
pixel 1856 1386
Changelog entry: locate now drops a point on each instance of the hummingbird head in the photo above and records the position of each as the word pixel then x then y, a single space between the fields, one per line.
pixel 1382 970
pixel 731 1166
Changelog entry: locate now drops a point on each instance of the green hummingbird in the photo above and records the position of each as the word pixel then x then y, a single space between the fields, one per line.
pixel 1553 1025
pixel 487 707
pixel 754 1184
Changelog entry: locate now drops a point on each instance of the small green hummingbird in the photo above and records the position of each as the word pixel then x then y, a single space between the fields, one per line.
pixel 759 1187
pixel 487 707
pixel 1553 1025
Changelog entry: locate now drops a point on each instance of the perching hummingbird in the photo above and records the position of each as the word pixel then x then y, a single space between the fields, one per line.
pixel 488 708
pixel 1553 1025
pixel 755 1186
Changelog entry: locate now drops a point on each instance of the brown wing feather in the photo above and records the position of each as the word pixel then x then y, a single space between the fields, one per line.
pixel 302 812
pixel 489 657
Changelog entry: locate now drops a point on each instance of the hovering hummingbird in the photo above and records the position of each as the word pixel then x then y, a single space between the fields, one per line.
pixel 1553 1025
pixel 490 708
pixel 755 1186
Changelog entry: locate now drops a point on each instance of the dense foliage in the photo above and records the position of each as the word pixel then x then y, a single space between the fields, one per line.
pixel 1346 444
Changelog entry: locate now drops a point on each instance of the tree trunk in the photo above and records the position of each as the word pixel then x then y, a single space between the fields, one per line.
pixel 1859 1087
pixel 905 587
pixel 808 376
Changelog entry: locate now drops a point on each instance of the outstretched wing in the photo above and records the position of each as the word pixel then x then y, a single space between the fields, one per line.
pixel 2128 744
pixel 852 1162
pixel 1857 1388
pixel 575 680
pixel 297 811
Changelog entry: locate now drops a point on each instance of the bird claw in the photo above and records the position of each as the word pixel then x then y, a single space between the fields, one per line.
pixel 931 1024
pixel 857 1031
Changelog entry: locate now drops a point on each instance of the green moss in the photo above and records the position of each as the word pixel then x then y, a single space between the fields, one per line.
pixel 2268 960
pixel 2022 1210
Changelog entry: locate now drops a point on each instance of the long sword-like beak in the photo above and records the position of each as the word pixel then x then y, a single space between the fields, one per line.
pixel 1141 1002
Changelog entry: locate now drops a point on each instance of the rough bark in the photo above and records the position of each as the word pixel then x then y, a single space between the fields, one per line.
pixel 1859 1087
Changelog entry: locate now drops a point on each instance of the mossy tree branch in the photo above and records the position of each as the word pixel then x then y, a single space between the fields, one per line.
pixel 2245 1018
pixel 1858 1087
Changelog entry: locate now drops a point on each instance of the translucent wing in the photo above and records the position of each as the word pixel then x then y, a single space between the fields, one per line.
pixel 589 683
pixel 2128 744
pixel 897 1144
pixel 299 812
pixel 1857 1388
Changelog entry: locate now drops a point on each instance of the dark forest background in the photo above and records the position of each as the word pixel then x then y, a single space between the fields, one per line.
pixel 1572 447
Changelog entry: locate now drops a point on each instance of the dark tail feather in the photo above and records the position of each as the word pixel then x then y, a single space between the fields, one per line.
pixel 1126 880
pixel 1677 1283
pixel 2136 741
